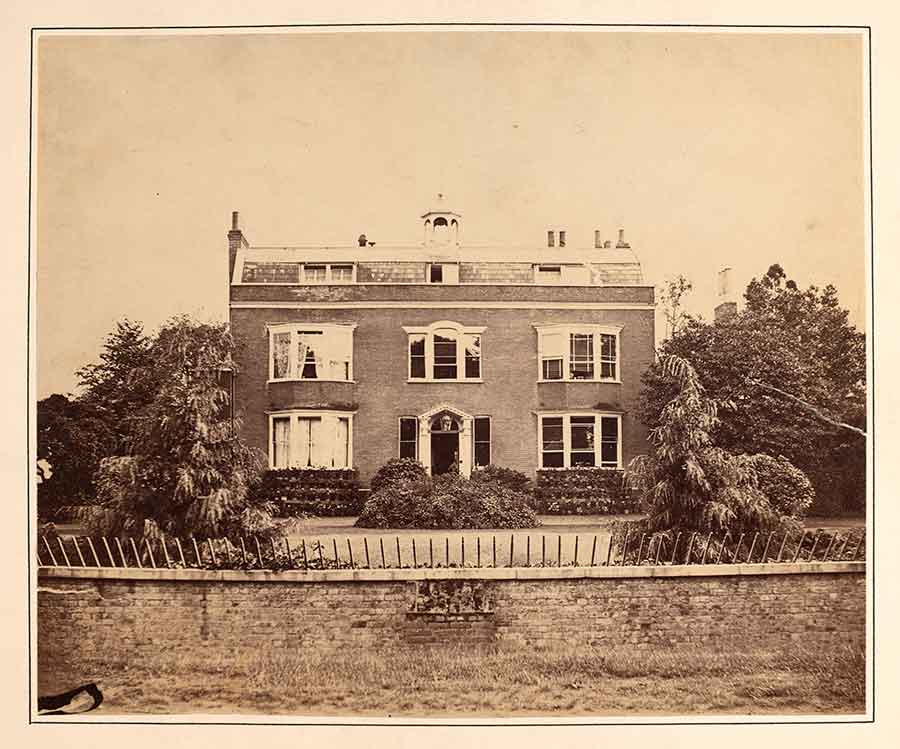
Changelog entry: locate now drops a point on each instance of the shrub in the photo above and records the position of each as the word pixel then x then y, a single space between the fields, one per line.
pixel 397 469
pixel 321 492
pixel 786 487
pixel 450 502
pixel 582 491
pixel 514 480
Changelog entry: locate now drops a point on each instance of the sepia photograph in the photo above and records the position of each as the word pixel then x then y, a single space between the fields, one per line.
pixel 451 372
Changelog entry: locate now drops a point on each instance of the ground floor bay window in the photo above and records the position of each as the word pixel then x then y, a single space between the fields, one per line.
pixel 311 439
pixel 574 440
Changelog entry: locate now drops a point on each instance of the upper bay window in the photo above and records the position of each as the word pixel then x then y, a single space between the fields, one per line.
pixel 578 352
pixel 298 351
pixel 444 351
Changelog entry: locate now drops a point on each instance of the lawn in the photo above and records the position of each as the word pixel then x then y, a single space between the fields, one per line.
pixel 501 681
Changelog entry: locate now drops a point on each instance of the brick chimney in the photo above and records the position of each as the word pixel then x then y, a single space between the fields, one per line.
pixel 562 237
pixel 236 240
pixel 622 244
pixel 598 242
pixel 726 309
pixel 550 238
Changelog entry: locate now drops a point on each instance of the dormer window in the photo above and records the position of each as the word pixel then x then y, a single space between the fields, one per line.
pixel 314 273
pixel 445 273
pixel 547 274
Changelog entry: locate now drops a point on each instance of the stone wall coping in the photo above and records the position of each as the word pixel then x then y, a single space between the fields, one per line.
pixel 447 573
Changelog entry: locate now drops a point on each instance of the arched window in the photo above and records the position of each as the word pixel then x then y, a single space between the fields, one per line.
pixel 445 351
pixel 441 230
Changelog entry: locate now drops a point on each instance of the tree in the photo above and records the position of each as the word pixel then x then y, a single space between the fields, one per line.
pixel 686 481
pixel 75 433
pixel 671 297
pixel 793 341
pixel 72 438
pixel 183 470
pixel 120 384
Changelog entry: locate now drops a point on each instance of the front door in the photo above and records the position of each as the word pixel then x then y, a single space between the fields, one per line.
pixel 444 452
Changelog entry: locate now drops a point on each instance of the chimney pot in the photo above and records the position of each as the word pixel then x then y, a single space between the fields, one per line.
pixel 598 243
pixel 622 242
pixel 562 237
pixel 550 238
pixel 607 244
pixel 362 240
pixel 234 220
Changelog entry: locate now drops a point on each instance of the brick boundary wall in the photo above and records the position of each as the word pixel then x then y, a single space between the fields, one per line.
pixel 139 613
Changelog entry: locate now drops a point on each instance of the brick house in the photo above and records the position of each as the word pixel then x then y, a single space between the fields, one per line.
pixel 459 356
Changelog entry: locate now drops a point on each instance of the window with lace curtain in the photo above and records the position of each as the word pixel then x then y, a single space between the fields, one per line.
pixel 311 439
pixel 311 352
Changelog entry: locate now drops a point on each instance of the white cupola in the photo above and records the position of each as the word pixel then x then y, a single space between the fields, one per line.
pixel 441 225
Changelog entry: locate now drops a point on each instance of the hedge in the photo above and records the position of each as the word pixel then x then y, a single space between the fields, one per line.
pixel 583 491
pixel 316 491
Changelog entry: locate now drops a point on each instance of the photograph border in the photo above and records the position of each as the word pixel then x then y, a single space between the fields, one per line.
pixel 402 721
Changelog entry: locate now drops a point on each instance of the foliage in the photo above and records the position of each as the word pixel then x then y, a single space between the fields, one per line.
pixel 123 382
pixel 800 342
pixel 318 492
pixel 686 481
pixel 75 433
pixel 512 479
pixel 670 297
pixel 72 438
pixel 449 501
pixel 184 471
pixel 787 488
pixel 582 491
pixel 397 469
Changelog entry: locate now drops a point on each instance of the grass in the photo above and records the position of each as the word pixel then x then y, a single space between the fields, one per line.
pixel 504 680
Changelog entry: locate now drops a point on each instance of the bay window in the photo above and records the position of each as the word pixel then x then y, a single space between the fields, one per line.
pixel 580 440
pixel 311 439
pixel 311 352
pixel 444 351
pixel 578 352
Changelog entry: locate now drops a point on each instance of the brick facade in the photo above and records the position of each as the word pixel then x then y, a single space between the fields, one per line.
pixel 386 295
pixel 129 613
pixel 510 393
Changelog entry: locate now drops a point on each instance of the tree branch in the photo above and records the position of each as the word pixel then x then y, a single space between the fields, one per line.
pixel 809 407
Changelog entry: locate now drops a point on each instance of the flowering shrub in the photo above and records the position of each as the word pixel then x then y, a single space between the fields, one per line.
pixel 322 492
pixel 786 487
pixel 582 491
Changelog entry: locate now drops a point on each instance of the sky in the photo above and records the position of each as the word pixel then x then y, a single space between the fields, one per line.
pixel 709 149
